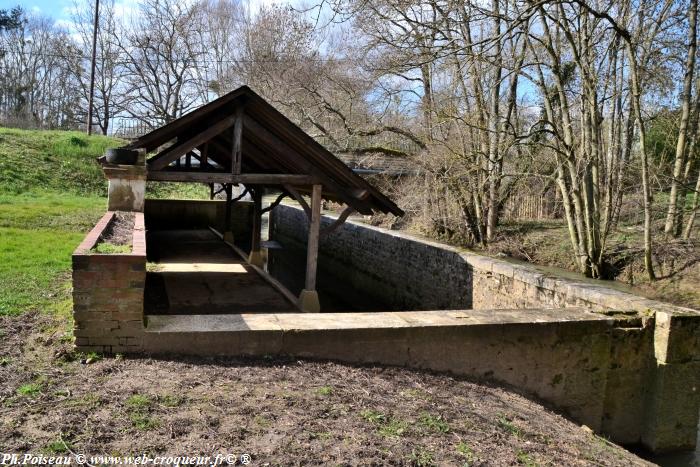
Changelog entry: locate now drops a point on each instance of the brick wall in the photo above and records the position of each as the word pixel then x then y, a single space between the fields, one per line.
pixel 108 293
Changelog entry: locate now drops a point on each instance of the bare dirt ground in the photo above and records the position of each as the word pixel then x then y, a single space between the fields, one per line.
pixel 281 412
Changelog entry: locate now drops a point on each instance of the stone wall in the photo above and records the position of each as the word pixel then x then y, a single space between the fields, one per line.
pixel 378 269
pixel 108 293
pixel 562 358
pixel 651 393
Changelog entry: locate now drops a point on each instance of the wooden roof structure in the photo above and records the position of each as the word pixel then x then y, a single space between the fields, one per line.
pixel 241 138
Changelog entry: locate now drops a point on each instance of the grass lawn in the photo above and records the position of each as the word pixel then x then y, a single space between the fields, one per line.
pixel 38 233
pixel 52 191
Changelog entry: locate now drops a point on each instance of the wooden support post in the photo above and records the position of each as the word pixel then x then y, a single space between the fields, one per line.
pixel 308 299
pixel 204 159
pixel 255 256
pixel 237 149
pixel 211 191
pixel 228 234
pixel 188 160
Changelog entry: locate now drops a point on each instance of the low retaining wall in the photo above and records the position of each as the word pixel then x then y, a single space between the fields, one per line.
pixel 651 389
pixel 187 213
pixel 108 293
pixel 562 358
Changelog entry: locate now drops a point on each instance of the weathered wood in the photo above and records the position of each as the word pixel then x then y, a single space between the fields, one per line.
pixel 155 138
pixel 292 191
pixel 223 177
pixel 227 215
pixel 257 219
pixel 204 156
pixel 276 202
pixel 211 191
pixel 312 245
pixel 283 151
pixel 188 160
pixel 181 148
pixel 236 150
pixel 338 222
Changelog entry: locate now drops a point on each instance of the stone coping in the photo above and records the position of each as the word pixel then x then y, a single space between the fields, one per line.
pixel 297 322
pixel 597 293
pixel 138 246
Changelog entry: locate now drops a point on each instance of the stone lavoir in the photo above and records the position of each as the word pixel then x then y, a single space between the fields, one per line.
pixel 625 366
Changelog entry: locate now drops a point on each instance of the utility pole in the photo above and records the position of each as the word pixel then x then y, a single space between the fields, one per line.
pixel 92 66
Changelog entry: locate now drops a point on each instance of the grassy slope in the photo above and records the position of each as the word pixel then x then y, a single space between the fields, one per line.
pixel 51 193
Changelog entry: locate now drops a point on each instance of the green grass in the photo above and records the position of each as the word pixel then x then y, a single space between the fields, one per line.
pixel 29 390
pixel 434 423
pixel 138 402
pixel 507 425
pixel 37 236
pixel 526 459
pixel 52 161
pixel 52 191
pixel 110 248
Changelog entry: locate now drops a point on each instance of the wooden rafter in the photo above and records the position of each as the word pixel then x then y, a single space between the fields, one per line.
pixel 243 134
pixel 175 152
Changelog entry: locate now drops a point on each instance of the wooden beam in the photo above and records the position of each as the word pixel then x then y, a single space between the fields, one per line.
pixel 227 215
pixel 275 203
pixel 299 199
pixel 312 245
pixel 204 156
pixel 237 149
pixel 179 149
pixel 257 219
pixel 281 149
pixel 223 177
pixel 338 222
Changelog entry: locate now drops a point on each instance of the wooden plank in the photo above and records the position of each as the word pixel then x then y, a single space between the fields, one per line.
pixel 312 245
pixel 302 202
pixel 178 150
pixel 223 177
pixel 271 280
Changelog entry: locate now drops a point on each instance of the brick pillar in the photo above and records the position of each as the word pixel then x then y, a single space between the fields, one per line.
pixel 108 293
pixel 127 186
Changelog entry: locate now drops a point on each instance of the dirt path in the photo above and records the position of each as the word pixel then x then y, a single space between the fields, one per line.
pixel 280 412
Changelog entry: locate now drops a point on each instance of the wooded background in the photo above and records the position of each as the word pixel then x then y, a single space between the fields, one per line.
pixel 492 110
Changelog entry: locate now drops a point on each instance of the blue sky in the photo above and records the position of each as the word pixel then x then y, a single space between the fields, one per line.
pixel 55 8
